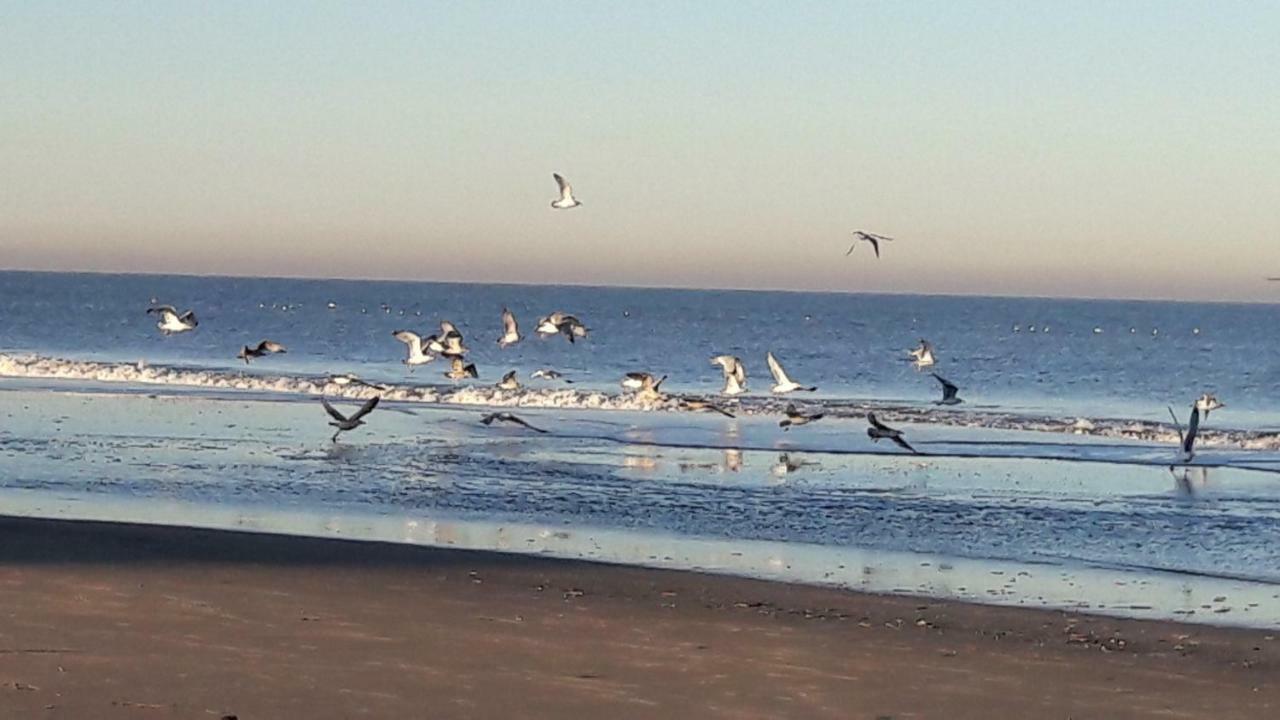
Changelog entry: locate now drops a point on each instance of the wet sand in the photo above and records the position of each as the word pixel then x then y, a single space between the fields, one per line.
pixel 110 620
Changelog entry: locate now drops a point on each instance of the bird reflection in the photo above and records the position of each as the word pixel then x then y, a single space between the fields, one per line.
pixel 1189 481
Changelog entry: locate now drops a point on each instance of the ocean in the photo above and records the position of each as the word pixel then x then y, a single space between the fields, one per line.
pixel 1056 483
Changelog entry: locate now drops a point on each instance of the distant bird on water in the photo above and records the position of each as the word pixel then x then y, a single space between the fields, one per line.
pixel 1207 403
pixel 266 347
pixel 344 423
pixel 735 375
pixel 781 383
pixel 949 391
pixel 796 418
pixel 507 417
pixel 879 431
pixel 566 199
pixel 171 322
pixel 510 331
pixel 863 236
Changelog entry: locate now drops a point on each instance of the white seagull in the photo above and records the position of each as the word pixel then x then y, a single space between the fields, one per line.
pixel 418 352
pixel 566 200
pixel 735 375
pixel 344 423
pixel 510 331
pixel 171 321
pixel 923 354
pixel 782 383
pixel 266 347
pixel 1208 403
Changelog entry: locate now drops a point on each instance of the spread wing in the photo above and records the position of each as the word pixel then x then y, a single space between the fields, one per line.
pixel 407 337
pixel 1182 437
pixel 333 413
pixel 163 309
pixel 566 190
pixel 367 408
pixel 775 367
pixel 897 440
pixel 509 322
pixel 188 316
pixel 1193 427
pixel 949 389
pixel 519 421
pixel 875 422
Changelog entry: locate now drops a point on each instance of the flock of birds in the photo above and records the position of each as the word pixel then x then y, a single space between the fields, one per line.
pixel 449 344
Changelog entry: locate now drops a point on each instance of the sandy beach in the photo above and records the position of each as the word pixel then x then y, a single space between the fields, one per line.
pixel 126 621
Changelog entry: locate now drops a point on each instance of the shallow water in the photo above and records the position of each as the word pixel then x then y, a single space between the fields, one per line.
pixel 1015 500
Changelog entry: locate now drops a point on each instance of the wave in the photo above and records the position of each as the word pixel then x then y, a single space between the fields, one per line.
pixel 52 368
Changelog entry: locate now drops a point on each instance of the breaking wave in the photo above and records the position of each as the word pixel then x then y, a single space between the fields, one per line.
pixel 50 368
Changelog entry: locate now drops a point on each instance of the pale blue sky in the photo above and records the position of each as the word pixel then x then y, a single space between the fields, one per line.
pixel 1099 149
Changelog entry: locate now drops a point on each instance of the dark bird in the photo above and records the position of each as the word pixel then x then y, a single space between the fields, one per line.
pixel 1188 438
pixel 693 404
pixel 509 382
pixel 266 347
pixel 949 391
pixel 459 371
pixel 862 236
pixel 508 418
pixel 797 418
pixel 879 431
pixel 344 423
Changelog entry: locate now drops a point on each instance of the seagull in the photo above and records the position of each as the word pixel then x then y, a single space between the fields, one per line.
pixel 735 375
pixel 795 418
pixel 861 236
pixel 171 321
pixel 266 347
pixel 458 371
pixel 567 200
pixel 879 430
pixel 1189 437
pixel 509 382
pixel 510 331
pixel 451 344
pixel 781 383
pixel 949 391
pixel 691 404
pixel 644 384
pixel 1208 403
pixel 508 418
pixel 447 327
pixel 344 423
pixel 548 374
pixel 345 379
pixel 923 354
pixel 559 322
pixel 418 352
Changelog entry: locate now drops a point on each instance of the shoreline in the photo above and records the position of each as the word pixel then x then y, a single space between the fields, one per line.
pixel 104 618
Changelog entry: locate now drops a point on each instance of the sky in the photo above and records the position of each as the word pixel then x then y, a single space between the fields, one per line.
pixel 1014 148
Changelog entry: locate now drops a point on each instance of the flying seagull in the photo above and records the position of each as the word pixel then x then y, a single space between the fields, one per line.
pixel 266 347
pixel 458 371
pixel 949 391
pixel 344 423
pixel 796 418
pixel 345 379
pixel 171 321
pixel 863 236
pixel 879 431
pixel 923 354
pixel 644 384
pixel 1208 403
pixel 693 404
pixel 559 322
pixel 781 383
pixel 735 375
pixel 509 382
pixel 510 331
pixel 549 374
pixel 508 418
pixel 418 351
pixel 1189 437
pixel 566 200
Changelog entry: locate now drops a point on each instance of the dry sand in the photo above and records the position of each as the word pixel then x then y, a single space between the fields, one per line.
pixel 101 620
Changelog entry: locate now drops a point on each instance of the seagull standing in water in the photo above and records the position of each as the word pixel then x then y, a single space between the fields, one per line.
pixel 923 354
pixel 796 418
pixel 735 374
pixel 510 331
pixel 781 383
pixel 862 236
pixel 266 347
pixel 1189 437
pixel 417 347
pixel 949 391
pixel 344 423
pixel 1208 403
pixel 566 199
pixel 509 382
pixel 879 431
pixel 171 321
pixel 508 418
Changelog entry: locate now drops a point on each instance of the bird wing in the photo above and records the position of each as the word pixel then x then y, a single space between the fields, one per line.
pixel 720 410
pixel 1193 427
pixel 850 250
pixel 949 389
pixel 188 316
pixel 509 322
pixel 488 419
pixel 520 421
pixel 407 337
pixel 566 190
pixel 875 422
pixel 333 413
pixel 1182 437
pixel 897 440
pixel 367 408
pixel 875 244
pixel 162 309
pixel 775 367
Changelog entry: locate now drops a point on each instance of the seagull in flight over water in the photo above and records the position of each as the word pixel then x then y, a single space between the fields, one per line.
pixel 171 321
pixel 508 418
pixel 949 392
pixel 344 423
pixel 510 331
pixel 923 354
pixel 1188 438
pixel 1208 403
pixel 782 383
pixel 796 418
pixel 266 347
pixel 879 431
pixel 509 382
pixel 458 370
pixel 863 236
pixel 417 346
pixel 735 375
pixel 566 200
